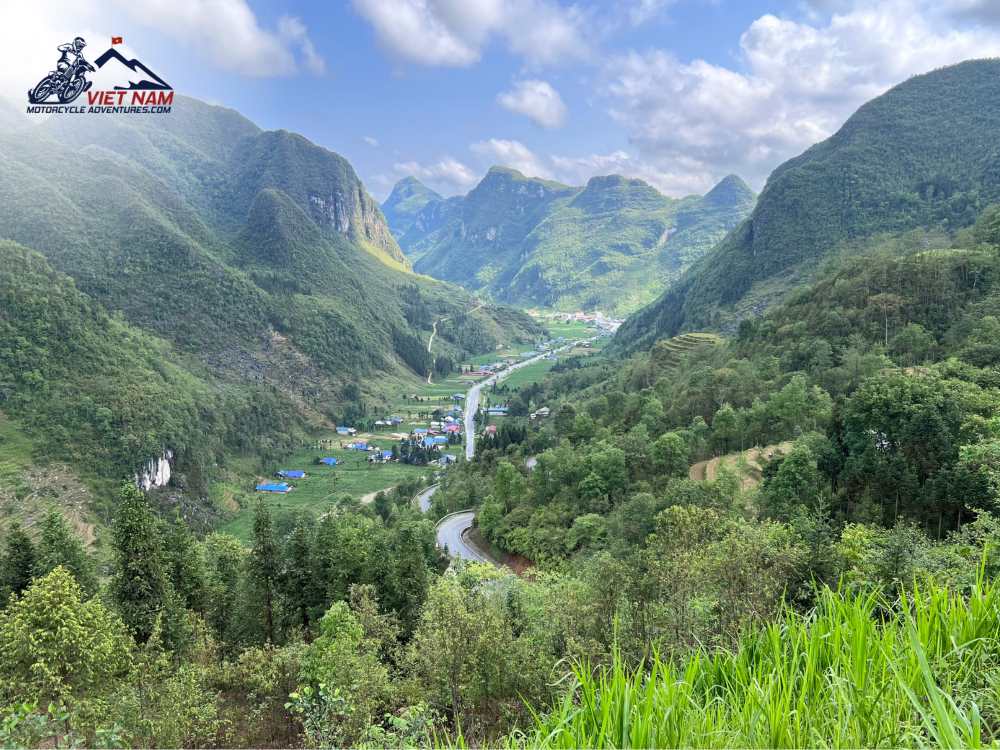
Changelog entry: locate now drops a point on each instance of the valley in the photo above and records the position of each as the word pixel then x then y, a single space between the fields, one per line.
pixel 504 460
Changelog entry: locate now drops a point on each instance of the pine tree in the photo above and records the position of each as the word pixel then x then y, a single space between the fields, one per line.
pixel 60 546
pixel 297 575
pixel 264 565
pixel 140 585
pixel 18 564
pixel 185 566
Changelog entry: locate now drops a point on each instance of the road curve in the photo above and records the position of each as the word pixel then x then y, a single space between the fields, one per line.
pixel 424 498
pixel 451 536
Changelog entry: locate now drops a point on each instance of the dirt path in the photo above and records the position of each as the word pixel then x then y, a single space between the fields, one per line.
pixel 370 497
pixel 434 330
pixel 755 458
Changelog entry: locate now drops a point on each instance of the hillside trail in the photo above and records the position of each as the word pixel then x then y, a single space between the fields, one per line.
pixel 434 330
pixel 370 497
pixel 755 458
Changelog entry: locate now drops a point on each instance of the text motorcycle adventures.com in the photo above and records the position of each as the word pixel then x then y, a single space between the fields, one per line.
pixel 134 88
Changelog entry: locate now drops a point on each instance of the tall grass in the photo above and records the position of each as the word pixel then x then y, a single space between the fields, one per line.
pixel 856 672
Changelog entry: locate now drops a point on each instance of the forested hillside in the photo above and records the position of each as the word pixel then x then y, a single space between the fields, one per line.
pixel 611 245
pixel 254 262
pixel 921 155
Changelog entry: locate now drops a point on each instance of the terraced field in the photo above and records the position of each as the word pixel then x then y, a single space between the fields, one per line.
pixel 669 353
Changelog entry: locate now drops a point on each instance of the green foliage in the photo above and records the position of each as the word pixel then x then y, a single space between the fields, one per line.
pixel 140 584
pixel 18 563
pixel 57 646
pixel 842 675
pixel 59 546
pixel 611 245
pixel 920 155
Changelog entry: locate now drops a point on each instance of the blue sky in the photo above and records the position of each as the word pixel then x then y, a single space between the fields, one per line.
pixel 677 92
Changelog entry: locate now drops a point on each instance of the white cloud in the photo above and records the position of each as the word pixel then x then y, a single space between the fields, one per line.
pixel 536 100
pixel 797 84
pixel 225 32
pixel 448 175
pixel 370 140
pixel 513 154
pixel 684 178
pixel 454 32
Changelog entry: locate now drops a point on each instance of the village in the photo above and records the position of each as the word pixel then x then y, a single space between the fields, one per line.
pixel 421 432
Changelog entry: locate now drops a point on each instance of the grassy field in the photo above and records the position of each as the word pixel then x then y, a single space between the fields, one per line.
pixel 569 330
pixel 529 374
pixel 856 672
pixel 323 486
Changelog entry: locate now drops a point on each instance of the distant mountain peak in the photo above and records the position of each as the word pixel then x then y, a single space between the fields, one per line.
pixel 730 190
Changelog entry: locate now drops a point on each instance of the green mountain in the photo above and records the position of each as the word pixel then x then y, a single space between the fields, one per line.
pixel 252 262
pixel 403 206
pixel 924 154
pixel 612 244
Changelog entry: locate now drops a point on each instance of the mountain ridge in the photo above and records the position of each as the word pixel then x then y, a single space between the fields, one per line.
pixel 611 244
pixel 920 155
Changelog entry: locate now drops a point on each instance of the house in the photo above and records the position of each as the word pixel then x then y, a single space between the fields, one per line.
pixel 428 442
pixel 386 455
pixel 279 488
pixel 359 445
pixel 394 420
pixel 328 460
pixel 440 440
pixel 491 429
pixel 420 430
pixel 346 431
pixel 454 428
pixel 458 397
pixel 446 458
pixel 291 474
pixel 497 411
pixel 541 413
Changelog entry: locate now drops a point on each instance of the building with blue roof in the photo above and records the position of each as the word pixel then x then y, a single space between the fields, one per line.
pixel 328 460
pixel 276 487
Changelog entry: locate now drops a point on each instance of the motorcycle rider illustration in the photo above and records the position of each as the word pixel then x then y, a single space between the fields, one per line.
pixel 74 48
pixel 69 79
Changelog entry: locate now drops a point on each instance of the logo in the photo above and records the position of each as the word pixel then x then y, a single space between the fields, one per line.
pixel 128 85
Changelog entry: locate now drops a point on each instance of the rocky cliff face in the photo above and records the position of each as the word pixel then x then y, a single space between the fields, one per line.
pixel 356 215
pixel 322 183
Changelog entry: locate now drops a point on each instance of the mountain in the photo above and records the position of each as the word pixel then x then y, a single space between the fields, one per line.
pixel 924 154
pixel 612 244
pixel 254 262
pixel 406 201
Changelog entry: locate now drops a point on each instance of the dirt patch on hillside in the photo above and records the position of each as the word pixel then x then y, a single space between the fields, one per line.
pixel 749 469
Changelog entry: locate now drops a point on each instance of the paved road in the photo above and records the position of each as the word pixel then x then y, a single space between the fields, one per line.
pixel 451 532
pixel 424 498
pixel 472 397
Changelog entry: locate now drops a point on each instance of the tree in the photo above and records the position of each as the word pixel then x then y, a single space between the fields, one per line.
pixel 139 584
pixel 57 646
pixel 297 579
pixel 724 428
pixel 225 557
pixel 58 545
pixel 185 565
pixel 796 483
pixel 18 564
pixel 671 455
pixel 264 565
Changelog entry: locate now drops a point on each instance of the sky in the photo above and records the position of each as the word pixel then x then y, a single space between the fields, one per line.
pixel 679 93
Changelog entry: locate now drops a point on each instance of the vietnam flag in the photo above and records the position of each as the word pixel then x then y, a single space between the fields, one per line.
pixel 116 40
